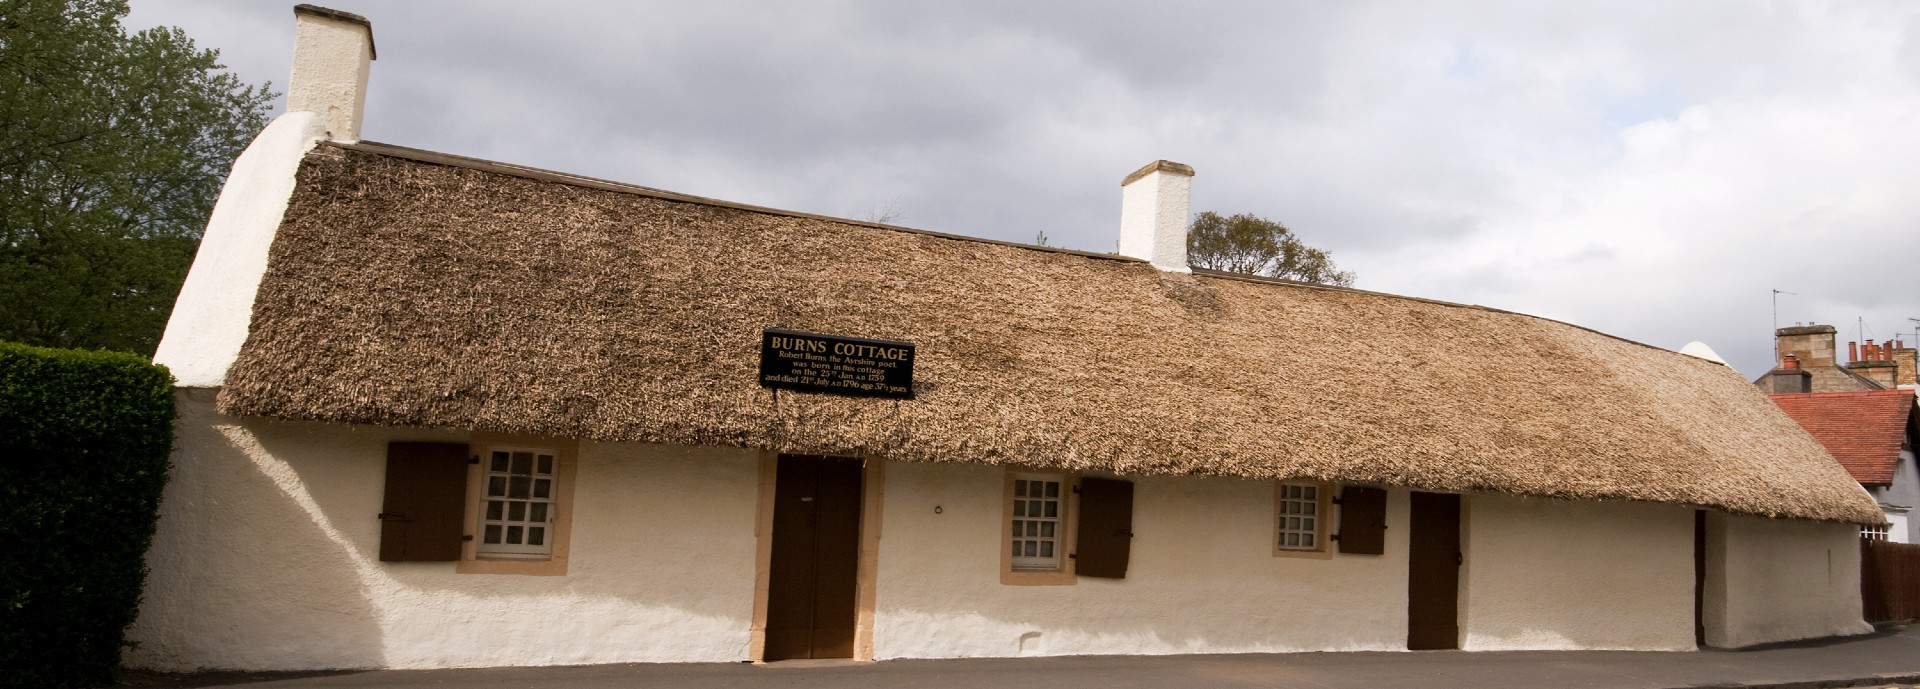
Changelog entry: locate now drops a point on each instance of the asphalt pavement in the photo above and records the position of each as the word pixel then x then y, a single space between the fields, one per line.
pixel 1889 657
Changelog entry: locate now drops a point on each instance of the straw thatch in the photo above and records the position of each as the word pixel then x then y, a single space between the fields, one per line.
pixel 413 290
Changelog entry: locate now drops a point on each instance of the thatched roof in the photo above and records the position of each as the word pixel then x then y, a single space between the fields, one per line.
pixel 412 289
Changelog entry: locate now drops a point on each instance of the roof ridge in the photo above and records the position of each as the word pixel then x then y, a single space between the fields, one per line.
pixel 482 164
pixel 545 175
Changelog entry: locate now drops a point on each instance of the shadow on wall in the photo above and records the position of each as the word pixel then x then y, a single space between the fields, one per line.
pixel 245 574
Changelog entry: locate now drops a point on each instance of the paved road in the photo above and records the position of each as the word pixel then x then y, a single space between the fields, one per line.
pixel 1892 657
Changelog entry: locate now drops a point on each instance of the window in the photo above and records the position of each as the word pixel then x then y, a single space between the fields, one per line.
pixel 519 494
pixel 517 507
pixel 1037 520
pixel 1036 530
pixel 1300 519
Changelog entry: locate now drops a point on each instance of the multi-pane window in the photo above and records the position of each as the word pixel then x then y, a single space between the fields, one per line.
pixel 1299 517
pixel 517 510
pixel 1037 507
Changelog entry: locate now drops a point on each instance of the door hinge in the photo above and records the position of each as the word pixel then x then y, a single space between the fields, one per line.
pixel 474 459
pixel 467 538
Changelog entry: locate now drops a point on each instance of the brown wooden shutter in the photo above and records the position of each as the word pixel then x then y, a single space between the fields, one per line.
pixel 1106 528
pixel 425 508
pixel 1363 520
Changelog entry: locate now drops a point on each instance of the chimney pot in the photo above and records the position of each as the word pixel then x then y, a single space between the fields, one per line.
pixel 1853 351
pixel 331 55
pixel 1153 215
pixel 1790 361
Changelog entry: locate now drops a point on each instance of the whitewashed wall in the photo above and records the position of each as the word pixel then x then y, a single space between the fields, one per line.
pixel 1780 579
pixel 266 557
pixel 1556 574
pixel 1202 579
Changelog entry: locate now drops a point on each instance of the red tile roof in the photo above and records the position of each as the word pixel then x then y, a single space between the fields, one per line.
pixel 1862 429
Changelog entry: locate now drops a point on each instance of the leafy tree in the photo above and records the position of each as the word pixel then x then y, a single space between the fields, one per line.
pixel 113 146
pixel 1247 243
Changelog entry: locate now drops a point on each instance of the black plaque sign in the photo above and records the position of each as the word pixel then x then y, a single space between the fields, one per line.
pixel 812 362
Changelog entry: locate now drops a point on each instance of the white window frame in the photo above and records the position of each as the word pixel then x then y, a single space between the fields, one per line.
pixel 1039 522
pixel 500 528
pixel 1302 519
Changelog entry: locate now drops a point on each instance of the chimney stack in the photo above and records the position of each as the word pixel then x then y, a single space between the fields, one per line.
pixel 1879 371
pixel 1789 378
pixel 1153 215
pixel 1906 362
pixel 331 53
pixel 1811 344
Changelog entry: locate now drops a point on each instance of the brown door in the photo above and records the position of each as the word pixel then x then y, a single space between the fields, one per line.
pixel 816 553
pixel 1433 577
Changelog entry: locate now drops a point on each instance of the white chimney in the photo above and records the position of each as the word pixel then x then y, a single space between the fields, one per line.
pixel 1153 215
pixel 331 53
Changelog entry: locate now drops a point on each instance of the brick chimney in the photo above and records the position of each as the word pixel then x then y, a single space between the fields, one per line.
pixel 1874 362
pixel 1789 378
pixel 332 51
pixel 1812 345
pixel 1153 215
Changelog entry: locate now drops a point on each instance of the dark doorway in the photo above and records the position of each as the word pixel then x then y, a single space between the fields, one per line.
pixel 816 555
pixel 1433 575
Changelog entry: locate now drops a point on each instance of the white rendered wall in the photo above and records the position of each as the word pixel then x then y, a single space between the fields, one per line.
pixel 1153 219
pixel 1903 492
pixel 1556 574
pixel 266 557
pixel 331 59
pixel 1202 577
pixel 1780 579
pixel 210 318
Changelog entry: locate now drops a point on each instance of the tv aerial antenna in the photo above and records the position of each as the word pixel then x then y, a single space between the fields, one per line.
pixel 1776 324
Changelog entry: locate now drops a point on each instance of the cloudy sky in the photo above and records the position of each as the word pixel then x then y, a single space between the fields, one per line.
pixel 1652 170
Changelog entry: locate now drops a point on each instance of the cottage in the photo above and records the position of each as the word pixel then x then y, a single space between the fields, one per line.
pixel 439 411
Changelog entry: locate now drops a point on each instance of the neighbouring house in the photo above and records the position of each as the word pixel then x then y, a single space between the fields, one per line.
pixel 1864 413
pixel 438 411
pixel 1809 363
pixel 1873 434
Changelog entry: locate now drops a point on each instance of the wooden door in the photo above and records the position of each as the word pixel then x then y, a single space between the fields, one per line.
pixel 816 554
pixel 1433 576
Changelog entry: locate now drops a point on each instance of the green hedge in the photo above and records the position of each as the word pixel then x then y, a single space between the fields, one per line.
pixel 84 438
